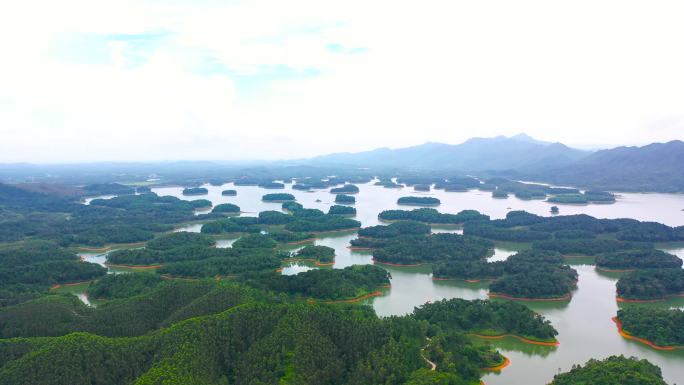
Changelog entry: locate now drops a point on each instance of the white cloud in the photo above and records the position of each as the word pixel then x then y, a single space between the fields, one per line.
pixel 584 72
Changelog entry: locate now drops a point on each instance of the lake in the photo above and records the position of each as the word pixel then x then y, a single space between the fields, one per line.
pixel 584 322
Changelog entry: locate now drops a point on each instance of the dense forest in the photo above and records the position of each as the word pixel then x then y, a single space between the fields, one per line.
pixel 195 191
pixel 651 284
pixel 662 327
pixel 613 370
pixel 418 201
pixel 278 197
pixel 428 215
pixel 345 199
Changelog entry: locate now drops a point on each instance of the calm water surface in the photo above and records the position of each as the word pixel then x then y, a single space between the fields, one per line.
pixel 584 323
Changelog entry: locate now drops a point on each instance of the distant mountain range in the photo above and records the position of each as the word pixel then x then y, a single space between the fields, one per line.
pixel 655 167
pixel 477 154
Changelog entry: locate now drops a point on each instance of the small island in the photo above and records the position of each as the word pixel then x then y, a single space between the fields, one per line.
pixel 278 197
pixel 660 328
pixel 346 189
pixel 612 370
pixel 637 259
pixel 225 208
pixel 345 199
pixel 341 210
pixel 195 191
pixel 321 255
pixel 421 187
pixel 418 201
pixel 229 193
pixel 650 285
pixel 272 185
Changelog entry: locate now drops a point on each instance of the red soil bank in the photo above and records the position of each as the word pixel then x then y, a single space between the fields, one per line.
pixel 135 266
pixel 361 298
pixel 523 339
pixel 625 300
pixel 395 264
pixel 615 270
pixel 498 368
pixel 642 340
pixel 504 296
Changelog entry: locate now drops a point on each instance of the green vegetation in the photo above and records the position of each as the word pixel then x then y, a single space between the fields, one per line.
pixel 638 259
pixel 292 206
pixel 569 199
pixel 229 193
pixel 428 215
pixel 431 248
pixel 651 284
pixel 29 268
pixel 421 187
pixel 323 254
pixel 226 208
pixel 527 274
pixel 347 199
pixel 490 317
pixel 499 194
pixel 662 327
pixel 107 189
pixel 322 223
pixel 613 370
pixel 278 197
pixel 346 189
pixel 195 191
pixel 326 284
pixel 285 236
pixel 395 229
pixel 554 210
pixel 419 201
pixel 117 286
pixel 231 225
pixel 272 185
pixel 341 210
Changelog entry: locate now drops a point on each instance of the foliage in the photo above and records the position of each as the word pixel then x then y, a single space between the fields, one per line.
pixel 661 326
pixel 341 210
pixel 651 284
pixel 195 191
pixel 638 259
pixel 278 197
pixel 428 215
pixel 419 201
pixel 226 208
pixel 613 370
pixel 341 198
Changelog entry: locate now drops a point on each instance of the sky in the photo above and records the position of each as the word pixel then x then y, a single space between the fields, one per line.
pixel 144 80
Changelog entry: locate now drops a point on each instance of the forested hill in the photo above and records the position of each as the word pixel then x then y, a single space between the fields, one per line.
pixel 655 167
pixel 477 154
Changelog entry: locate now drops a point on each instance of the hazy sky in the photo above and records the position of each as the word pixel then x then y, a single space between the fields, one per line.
pixel 171 79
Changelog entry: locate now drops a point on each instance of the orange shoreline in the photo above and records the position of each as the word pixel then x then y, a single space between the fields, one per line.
pixel 522 339
pixel 627 300
pixel 357 299
pixel 461 279
pixel 134 266
pixel 615 270
pixel 498 368
pixel 396 264
pixel 504 296
pixel 58 285
pixel 628 336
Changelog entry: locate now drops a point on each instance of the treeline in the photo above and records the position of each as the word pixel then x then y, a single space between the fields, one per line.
pixel 521 226
pixel 418 201
pixel 428 215
pixel 278 197
pixel 489 317
pixel 322 254
pixel 430 248
pixel 638 259
pixel 325 284
pixel 195 191
pixel 341 210
pixel 28 269
pixel 660 326
pixel 651 284
pixel 346 189
pixel 527 274
pixel 613 370
pixel 123 219
pixel 265 342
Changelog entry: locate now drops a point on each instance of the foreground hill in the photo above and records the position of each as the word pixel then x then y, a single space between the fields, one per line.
pixel 655 167
pixel 477 154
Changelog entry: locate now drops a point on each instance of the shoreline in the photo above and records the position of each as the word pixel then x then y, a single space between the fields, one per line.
pixel 628 336
pixel 58 285
pixel 615 270
pixel 462 279
pixel 110 246
pixel 133 266
pixel 566 297
pixel 520 338
pixel 397 264
pixel 357 299
pixel 499 367
pixel 659 299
